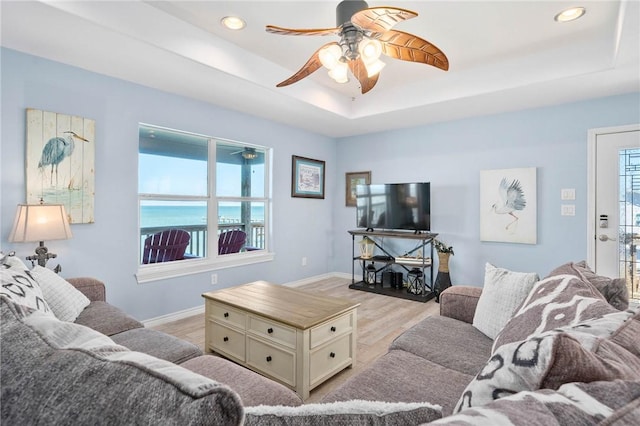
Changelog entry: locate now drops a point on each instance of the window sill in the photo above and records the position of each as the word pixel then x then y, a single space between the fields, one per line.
pixel 161 271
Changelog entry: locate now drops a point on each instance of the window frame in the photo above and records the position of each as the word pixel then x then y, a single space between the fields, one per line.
pixel 159 271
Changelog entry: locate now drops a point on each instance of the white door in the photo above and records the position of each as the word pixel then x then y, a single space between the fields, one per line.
pixel 615 224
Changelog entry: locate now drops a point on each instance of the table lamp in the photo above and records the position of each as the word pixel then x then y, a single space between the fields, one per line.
pixel 39 222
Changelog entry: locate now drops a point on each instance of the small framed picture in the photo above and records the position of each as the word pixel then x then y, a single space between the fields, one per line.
pixel 307 177
pixel 354 179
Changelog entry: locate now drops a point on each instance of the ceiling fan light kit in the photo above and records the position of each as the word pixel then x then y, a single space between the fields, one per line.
pixel 365 34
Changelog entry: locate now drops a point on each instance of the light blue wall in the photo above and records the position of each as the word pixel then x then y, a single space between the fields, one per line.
pixel 451 155
pixel 107 249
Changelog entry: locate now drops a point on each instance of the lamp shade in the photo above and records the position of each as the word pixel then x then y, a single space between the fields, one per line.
pixel 40 222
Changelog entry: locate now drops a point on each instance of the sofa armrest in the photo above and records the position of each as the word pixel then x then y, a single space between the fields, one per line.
pixel 459 302
pixel 92 288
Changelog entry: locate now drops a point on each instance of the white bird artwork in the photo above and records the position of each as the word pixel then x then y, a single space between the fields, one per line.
pixel 511 200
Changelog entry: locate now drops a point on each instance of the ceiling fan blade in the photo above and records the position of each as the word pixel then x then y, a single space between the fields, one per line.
pixel 408 47
pixel 310 32
pixel 359 70
pixel 311 66
pixel 380 19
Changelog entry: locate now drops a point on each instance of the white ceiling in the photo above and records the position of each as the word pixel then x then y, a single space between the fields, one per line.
pixel 503 56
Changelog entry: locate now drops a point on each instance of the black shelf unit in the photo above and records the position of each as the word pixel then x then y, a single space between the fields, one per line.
pixel 422 239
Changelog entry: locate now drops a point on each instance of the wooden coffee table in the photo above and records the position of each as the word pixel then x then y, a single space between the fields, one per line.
pixel 295 337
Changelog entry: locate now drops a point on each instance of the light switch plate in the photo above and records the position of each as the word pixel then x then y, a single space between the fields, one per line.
pixel 568 194
pixel 568 210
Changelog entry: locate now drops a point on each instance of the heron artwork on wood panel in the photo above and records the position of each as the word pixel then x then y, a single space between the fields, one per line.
pixel 56 150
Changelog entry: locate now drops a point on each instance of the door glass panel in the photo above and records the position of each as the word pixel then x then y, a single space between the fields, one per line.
pixel 630 219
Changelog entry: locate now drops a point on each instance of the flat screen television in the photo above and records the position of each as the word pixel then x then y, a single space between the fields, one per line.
pixel 402 206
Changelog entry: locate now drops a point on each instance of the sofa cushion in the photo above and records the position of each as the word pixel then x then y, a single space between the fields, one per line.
pixel 355 412
pixel 448 342
pixel 503 292
pixel 252 388
pixel 400 376
pixel 605 348
pixel 58 372
pixel 65 300
pixel 107 319
pixel 584 404
pixel 17 284
pixel 614 290
pixel 157 344
pixel 554 302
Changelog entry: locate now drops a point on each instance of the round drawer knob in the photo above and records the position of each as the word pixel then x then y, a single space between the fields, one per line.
pixel 332 354
pixel 269 358
pixel 226 314
pixel 226 339
pixel 333 329
pixel 270 330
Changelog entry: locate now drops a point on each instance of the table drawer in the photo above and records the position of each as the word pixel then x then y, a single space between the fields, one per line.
pixel 227 341
pixel 276 362
pixel 272 331
pixel 330 329
pixel 327 359
pixel 227 314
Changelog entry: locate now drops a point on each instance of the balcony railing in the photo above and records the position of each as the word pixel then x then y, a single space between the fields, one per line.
pixel 198 243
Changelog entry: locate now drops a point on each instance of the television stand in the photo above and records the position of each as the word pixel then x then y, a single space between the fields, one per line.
pixel 414 260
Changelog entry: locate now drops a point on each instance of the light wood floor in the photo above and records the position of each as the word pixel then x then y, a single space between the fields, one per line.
pixel 380 320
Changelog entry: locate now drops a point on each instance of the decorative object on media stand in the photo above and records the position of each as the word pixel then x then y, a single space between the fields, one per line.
pixel 414 281
pixel 370 274
pixel 443 280
pixel 39 222
pixel 365 33
pixel 366 247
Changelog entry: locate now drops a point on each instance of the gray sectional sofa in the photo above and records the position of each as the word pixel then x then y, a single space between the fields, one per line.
pixel 566 357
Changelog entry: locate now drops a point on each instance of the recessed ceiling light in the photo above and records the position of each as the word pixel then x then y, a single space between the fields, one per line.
pixel 233 22
pixel 570 14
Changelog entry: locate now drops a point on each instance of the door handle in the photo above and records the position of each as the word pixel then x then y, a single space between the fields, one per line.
pixel 605 237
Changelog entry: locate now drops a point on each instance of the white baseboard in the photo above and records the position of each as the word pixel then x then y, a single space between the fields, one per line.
pixel 163 319
pixel 317 278
pixel 154 322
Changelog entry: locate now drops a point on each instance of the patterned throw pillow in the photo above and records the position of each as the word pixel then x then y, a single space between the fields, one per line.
pixel 18 284
pixel 614 290
pixel 351 412
pixel 502 293
pixel 583 404
pixel 64 299
pixel 605 348
pixel 554 302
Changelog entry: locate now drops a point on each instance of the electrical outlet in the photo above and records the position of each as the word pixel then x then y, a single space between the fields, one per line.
pixel 214 279
pixel 304 261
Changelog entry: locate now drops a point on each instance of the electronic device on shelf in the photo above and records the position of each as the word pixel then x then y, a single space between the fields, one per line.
pixel 395 206
pixel 383 258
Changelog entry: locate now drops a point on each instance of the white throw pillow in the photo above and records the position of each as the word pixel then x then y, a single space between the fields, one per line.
pixel 17 284
pixel 64 299
pixel 502 293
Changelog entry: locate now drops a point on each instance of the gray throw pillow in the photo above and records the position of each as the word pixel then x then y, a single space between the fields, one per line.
pixel 18 284
pixel 353 412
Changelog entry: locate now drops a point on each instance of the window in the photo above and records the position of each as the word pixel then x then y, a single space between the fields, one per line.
pixel 192 187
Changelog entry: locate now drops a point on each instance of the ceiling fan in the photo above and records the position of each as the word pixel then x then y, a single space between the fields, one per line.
pixel 247 153
pixel 365 33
